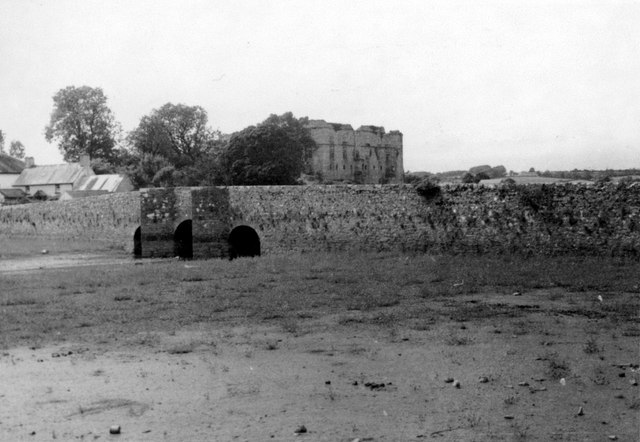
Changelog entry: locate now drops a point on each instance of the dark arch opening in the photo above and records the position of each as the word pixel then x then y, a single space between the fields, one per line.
pixel 243 241
pixel 137 243
pixel 183 240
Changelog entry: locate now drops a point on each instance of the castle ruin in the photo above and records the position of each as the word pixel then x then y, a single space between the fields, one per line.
pixel 367 155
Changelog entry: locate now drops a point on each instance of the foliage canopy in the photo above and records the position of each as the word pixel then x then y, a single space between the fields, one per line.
pixel 82 123
pixel 267 154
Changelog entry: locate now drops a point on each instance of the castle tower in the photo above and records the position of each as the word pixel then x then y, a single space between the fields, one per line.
pixel 367 155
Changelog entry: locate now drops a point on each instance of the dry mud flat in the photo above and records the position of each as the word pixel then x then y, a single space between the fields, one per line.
pixel 545 364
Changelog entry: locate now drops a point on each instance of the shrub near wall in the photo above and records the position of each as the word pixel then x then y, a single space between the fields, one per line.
pixel 109 218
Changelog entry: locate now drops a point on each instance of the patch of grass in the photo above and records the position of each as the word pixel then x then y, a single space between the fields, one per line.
pixel 290 325
pixel 591 346
pixel 465 312
pixel 386 289
pixel 632 331
pixel 456 339
pixel 557 368
pixel 17 301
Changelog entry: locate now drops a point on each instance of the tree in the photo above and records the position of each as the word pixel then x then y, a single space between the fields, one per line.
pixel 82 123
pixel 176 132
pixel 16 149
pixel 296 127
pixel 1 142
pixel 266 154
pixel 497 172
pixel 469 178
pixel 173 146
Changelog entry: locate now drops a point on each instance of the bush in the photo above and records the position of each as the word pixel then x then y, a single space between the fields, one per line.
pixel 428 188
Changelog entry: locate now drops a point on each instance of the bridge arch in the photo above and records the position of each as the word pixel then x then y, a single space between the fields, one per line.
pixel 243 241
pixel 183 240
pixel 137 243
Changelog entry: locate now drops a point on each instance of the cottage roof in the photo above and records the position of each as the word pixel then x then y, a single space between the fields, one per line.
pixel 54 174
pixel 12 193
pixel 10 165
pixel 109 183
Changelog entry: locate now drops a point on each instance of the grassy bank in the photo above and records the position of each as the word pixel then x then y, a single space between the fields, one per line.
pixel 379 289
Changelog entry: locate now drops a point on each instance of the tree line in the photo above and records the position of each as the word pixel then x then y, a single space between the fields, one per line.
pixel 16 148
pixel 174 145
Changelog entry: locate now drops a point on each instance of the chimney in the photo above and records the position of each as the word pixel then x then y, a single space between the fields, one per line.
pixel 29 162
pixel 85 160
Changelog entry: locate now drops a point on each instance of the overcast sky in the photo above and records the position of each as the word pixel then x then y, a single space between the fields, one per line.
pixel 547 84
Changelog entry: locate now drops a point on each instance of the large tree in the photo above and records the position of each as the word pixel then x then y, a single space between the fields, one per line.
pixel 82 123
pixel 296 127
pixel 176 132
pixel 1 142
pixel 174 146
pixel 16 149
pixel 264 155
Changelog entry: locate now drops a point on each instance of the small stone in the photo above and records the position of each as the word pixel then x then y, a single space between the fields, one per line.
pixel 483 379
pixel 580 411
pixel 44 251
pixel 633 382
pixel 508 416
pixel 517 294
pixel 448 380
pixel 621 375
pixel 563 381
pixel 613 437
pixel 619 396
pixel 301 429
pixel 328 382
pixel 456 384
pixel 523 384
pixel 115 429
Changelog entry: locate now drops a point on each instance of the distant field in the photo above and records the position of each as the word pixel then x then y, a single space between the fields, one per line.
pixel 534 180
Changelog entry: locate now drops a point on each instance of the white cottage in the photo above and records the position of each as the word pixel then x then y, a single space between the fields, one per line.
pixel 53 180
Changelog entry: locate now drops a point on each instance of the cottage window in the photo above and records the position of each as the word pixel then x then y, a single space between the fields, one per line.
pixel 57 189
pixel 27 189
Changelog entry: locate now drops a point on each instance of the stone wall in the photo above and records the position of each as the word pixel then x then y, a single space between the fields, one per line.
pixel 525 220
pixel 109 218
pixel 549 220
